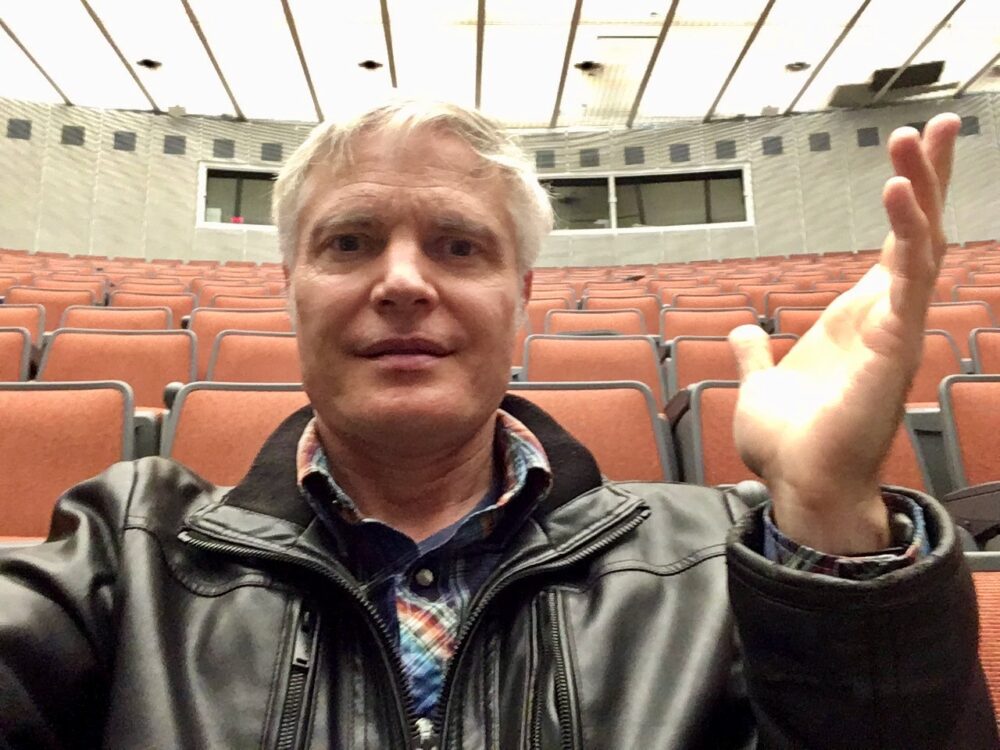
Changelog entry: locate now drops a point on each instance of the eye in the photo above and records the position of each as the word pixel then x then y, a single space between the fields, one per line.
pixel 346 243
pixel 460 248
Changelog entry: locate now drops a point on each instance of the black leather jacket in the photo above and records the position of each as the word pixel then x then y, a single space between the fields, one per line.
pixel 166 613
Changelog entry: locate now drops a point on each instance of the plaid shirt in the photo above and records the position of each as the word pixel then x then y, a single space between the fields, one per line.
pixel 423 590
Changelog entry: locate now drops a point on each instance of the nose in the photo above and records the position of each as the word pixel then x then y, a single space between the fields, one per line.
pixel 405 282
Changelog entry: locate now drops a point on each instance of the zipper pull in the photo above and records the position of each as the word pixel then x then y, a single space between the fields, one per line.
pixel 426 738
pixel 302 657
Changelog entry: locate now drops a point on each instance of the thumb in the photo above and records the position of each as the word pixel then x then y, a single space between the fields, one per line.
pixel 752 348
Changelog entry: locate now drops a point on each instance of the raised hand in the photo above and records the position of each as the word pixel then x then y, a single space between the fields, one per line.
pixel 818 426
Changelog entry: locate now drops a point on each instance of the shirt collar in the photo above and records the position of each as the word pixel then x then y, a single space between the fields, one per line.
pixel 516 449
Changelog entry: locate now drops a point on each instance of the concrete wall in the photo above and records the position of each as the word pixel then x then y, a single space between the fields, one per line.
pixel 94 199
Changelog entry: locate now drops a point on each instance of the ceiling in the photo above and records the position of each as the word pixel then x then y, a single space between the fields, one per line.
pixel 530 63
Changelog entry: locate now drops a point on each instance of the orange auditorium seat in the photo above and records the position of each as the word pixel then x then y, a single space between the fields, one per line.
pixel 55 301
pixel 207 322
pixel 216 429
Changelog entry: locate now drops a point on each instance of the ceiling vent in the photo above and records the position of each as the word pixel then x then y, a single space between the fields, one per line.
pixel 923 78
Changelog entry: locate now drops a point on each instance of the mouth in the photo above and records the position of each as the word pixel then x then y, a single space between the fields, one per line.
pixel 404 347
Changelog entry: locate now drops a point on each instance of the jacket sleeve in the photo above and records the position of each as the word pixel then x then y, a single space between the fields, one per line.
pixel 890 662
pixel 57 620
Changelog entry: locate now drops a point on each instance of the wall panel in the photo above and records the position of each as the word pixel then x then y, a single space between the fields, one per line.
pixel 94 199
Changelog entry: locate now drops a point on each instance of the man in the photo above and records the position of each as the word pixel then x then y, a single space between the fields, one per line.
pixel 406 565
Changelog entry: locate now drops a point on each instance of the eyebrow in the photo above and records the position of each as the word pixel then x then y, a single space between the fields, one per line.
pixel 457 224
pixel 450 223
pixel 339 221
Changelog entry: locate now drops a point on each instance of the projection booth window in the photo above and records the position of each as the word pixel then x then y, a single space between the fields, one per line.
pixel 238 197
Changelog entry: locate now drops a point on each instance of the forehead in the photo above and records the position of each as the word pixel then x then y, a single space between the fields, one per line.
pixel 413 174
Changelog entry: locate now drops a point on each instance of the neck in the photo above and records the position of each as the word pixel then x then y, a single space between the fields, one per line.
pixel 417 491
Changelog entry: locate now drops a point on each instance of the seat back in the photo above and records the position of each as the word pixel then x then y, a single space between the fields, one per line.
pixel 537 309
pixel 147 288
pixel 985 344
pixel 697 322
pixel 617 422
pixel 117 318
pixel 15 353
pixel 712 301
pixel 209 322
pixel 210 290
pixel 235 301
pixel 590 358
pixel 647 304
pixel 796 320
pixel 55 301
pixel 216 429
pixel 970 410
pixel 988 293
pixel 581 321
pixel 985 568
pixel 697 358
pixel 254 357
pixel 96 288
pixel 710 456
pixel 181 304
pixel 774 300
pixel 146 360
pixel 31 317
pixel 833 286
pixel 959 319
pixel 52 437
pixel 940 359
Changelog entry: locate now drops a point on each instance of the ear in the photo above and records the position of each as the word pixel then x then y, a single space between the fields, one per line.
pixel 529 277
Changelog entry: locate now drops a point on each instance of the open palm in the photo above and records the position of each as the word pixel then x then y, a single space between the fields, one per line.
pixel 818 426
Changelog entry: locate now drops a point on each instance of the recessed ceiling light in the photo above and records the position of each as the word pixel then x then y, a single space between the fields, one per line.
pixel 149 64
pixel 369 65
pixel 797 67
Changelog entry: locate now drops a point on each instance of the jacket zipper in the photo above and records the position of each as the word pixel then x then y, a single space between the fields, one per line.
pixel 290 734
pixel 530 568
pixel 394 662
pixel 419 735
pixel 563 707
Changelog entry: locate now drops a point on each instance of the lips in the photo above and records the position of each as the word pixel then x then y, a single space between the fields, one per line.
pixel 404 346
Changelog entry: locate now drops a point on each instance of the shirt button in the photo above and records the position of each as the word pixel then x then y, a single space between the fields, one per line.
pixel 424 577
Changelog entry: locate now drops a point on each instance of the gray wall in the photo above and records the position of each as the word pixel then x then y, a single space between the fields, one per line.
pixel 94 199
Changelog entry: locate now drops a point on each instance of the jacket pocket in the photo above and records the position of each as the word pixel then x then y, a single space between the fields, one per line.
pixel 295 708
pixel 556 719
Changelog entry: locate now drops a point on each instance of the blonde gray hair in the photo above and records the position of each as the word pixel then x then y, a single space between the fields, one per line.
pixel 528 205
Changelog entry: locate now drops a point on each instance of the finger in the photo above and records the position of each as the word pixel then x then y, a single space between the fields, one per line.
pixel 939 146
pixel 752 348
pixel 910 161
pixel 910 254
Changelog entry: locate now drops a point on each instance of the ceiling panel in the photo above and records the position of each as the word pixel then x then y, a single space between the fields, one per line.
pixel 73 52
pixel 698 53
pixel 254 48
pixel 884 37
pixel 434 45
pixel 336 38
pixel 518 88
pixel 21 79
pixel 793 32
pixel 435 48
pixel 620 39
pixel 160 30
pixel 966 43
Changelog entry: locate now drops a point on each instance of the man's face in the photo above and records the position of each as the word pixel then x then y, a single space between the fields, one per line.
pixel 406 290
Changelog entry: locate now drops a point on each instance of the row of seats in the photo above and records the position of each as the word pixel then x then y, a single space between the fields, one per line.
pixel 217 428
pixel 959 319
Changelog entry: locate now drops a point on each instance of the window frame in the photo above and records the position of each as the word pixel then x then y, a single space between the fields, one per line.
pixel 612 175
pixel 203 170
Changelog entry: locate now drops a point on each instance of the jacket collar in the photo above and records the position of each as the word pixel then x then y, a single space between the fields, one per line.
pixel 268 507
